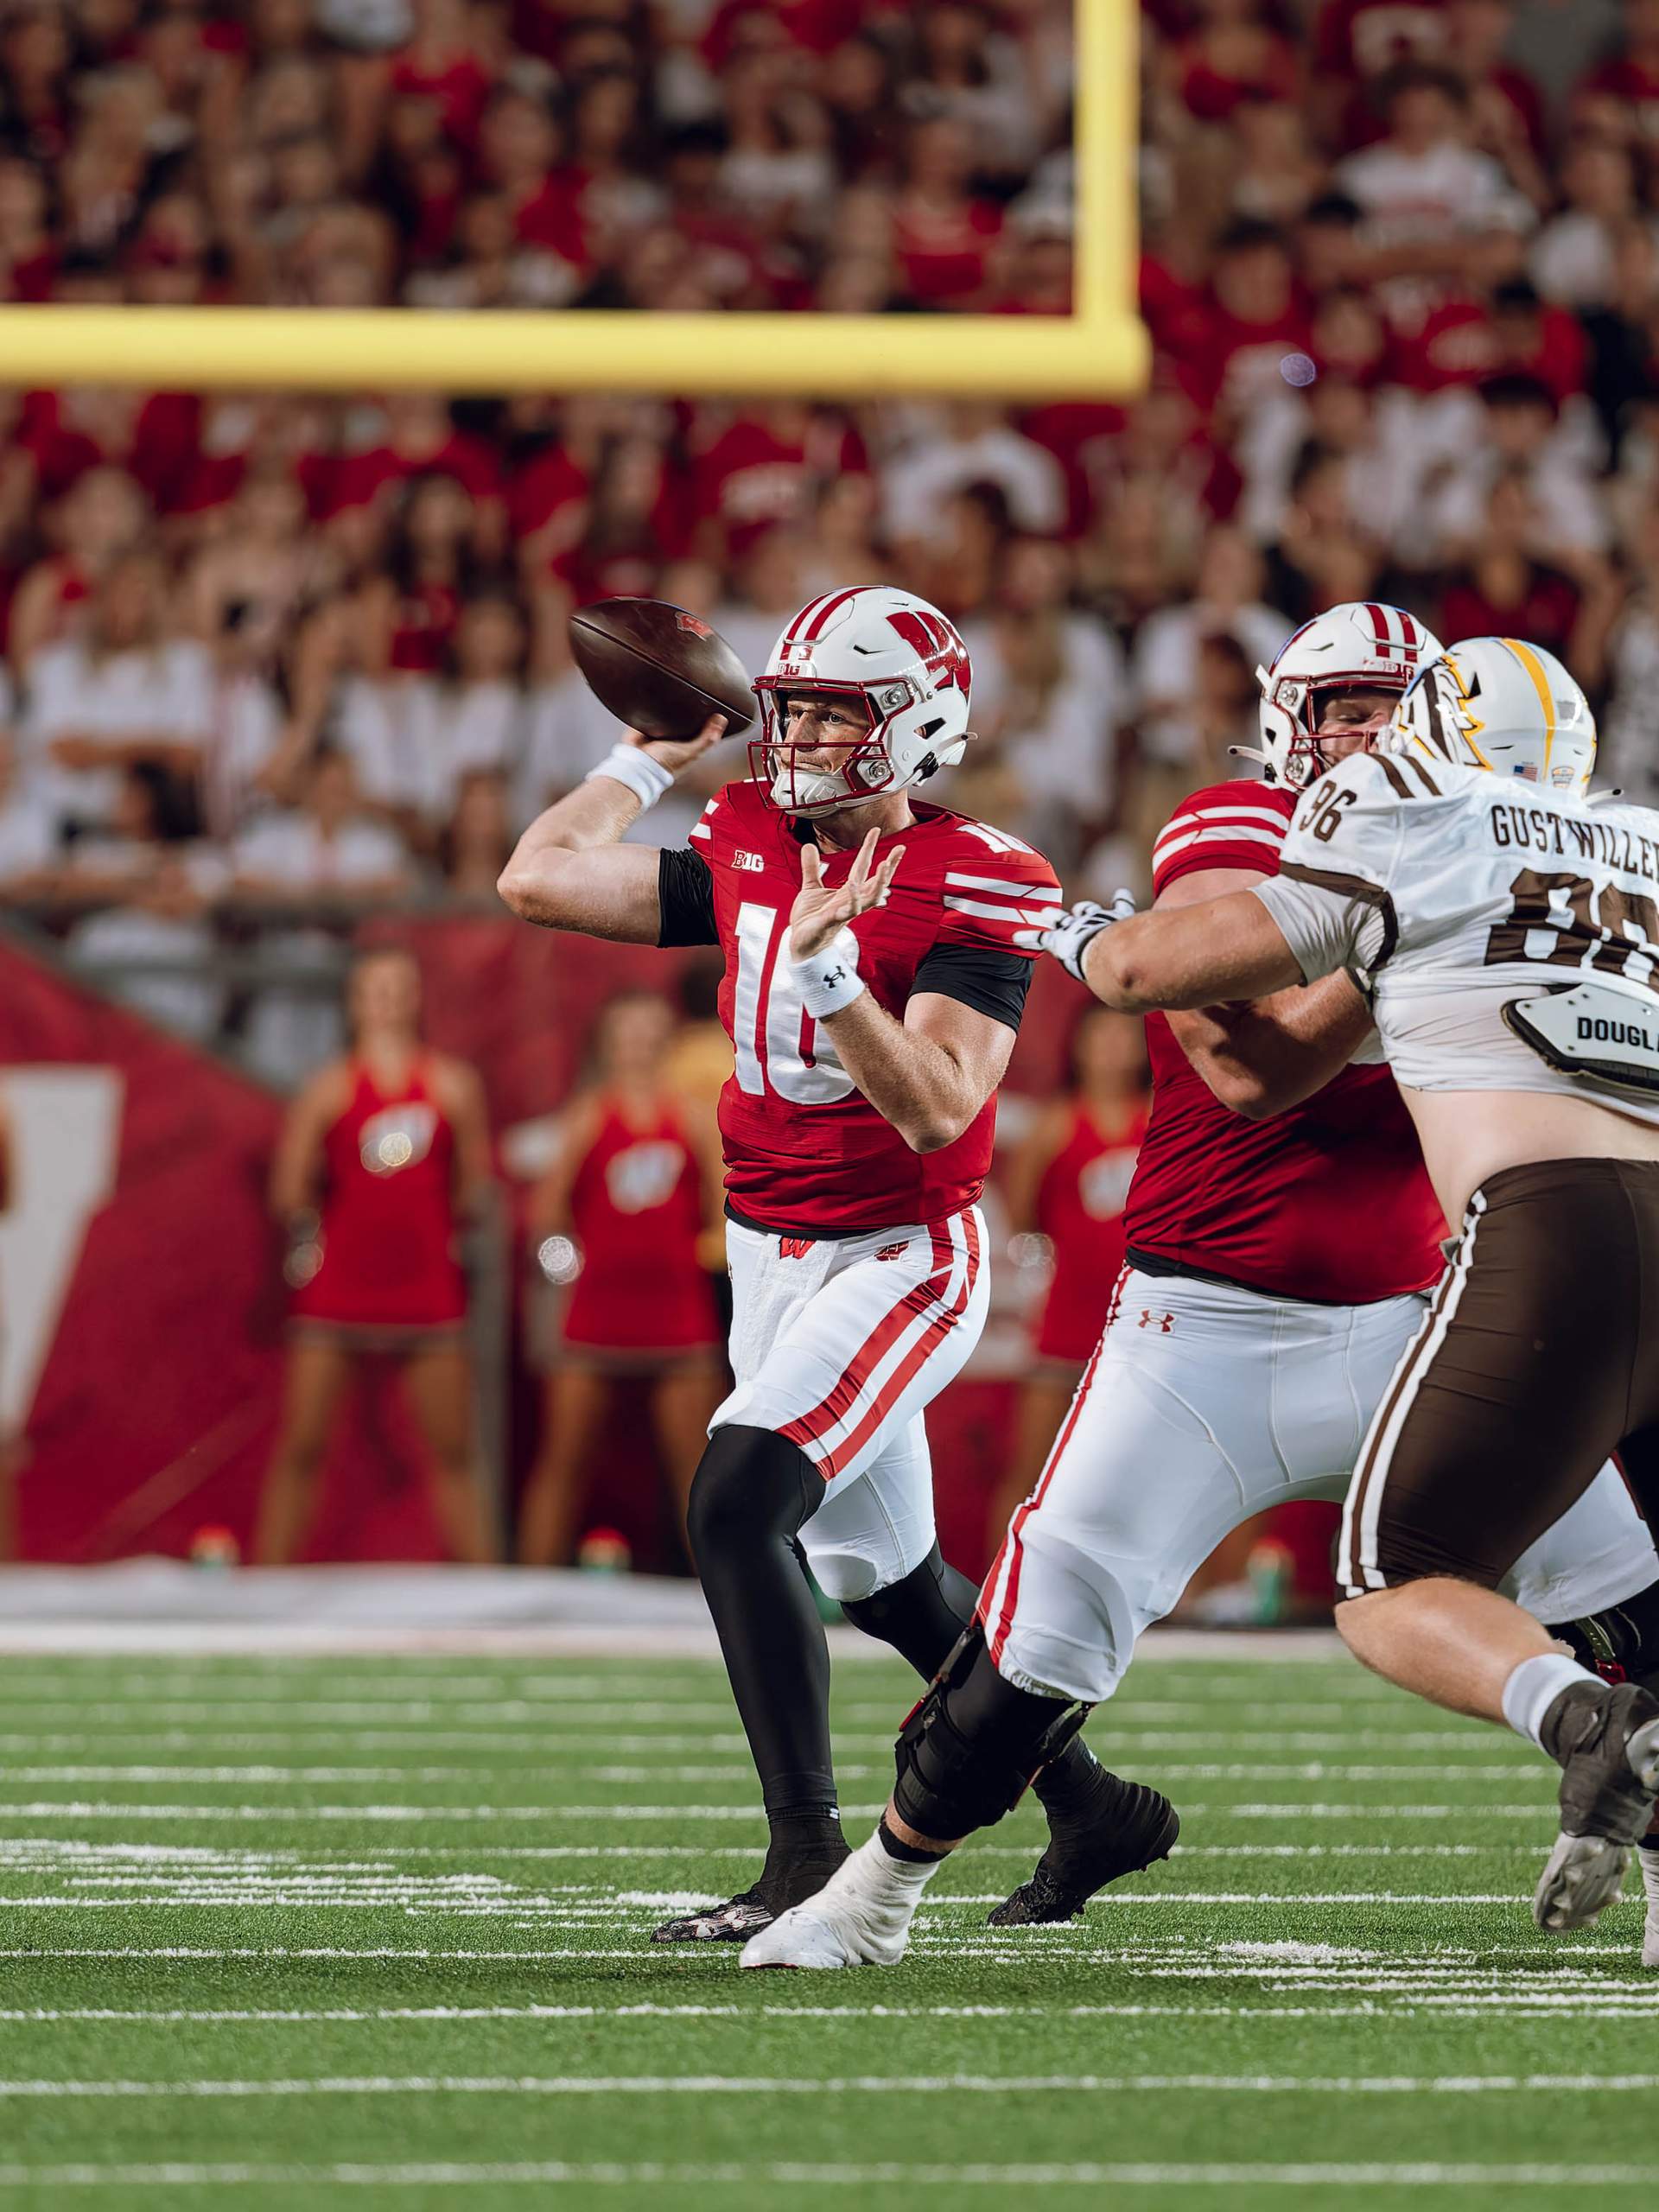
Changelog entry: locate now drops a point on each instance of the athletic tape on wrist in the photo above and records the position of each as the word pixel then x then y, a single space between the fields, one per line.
pixel 830 980
pixel 645 777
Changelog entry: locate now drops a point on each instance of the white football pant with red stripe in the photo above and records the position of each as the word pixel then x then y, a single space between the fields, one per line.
pixel 1205 1404
pixel 839 1344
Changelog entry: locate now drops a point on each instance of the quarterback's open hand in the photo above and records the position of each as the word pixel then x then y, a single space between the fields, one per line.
pixel 819 912
pixel 1068 940
pixel 676 754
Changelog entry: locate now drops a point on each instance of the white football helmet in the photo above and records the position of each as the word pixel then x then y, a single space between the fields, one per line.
pixel 1360 642
pixel 1502 704
pixel 896 654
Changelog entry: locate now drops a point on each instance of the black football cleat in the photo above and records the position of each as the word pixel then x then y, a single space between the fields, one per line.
pixel 1125 1828
pixel 746 1915
pixel 1607 1743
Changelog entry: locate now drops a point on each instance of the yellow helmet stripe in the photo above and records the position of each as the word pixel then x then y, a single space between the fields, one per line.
pixel 1535 668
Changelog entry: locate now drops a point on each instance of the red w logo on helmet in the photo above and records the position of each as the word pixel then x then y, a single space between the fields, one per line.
pixel 942 651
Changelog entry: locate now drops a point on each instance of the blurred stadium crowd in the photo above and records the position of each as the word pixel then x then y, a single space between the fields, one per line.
pixel 271 657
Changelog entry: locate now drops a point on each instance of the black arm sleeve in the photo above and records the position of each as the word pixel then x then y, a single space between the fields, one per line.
pixel 685 891
pixel 991 982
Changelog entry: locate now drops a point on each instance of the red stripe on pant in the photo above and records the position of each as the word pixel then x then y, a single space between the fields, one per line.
pixel 807 1427
pixel 1012 1547
pixel 899 1380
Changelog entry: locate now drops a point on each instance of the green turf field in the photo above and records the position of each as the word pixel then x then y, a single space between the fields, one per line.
pixel 371 1930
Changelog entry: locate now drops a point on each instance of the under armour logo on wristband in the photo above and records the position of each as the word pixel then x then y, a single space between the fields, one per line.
pixel 835 976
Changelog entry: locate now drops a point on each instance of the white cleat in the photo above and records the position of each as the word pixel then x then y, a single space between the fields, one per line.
pixel 1584 1875
pixel 1650 1882
pixel 861 1917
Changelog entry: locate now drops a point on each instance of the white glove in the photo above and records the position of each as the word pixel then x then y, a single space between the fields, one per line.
pixel 1068 940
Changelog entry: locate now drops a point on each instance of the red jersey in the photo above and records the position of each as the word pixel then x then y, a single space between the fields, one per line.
pixel 1080 1210
pixel 636 1208
pixel 805 1151
pixel 388 1213
pixel 1329 1201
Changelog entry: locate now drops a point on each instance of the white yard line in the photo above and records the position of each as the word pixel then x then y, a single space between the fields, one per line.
pixel 40 1809
pixel 728 1770
pixel 548 2173
pixel 902 2085
pixel 1603 2000
pixel 56 1853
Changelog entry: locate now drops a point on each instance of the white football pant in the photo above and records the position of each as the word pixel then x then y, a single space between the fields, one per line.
pixel 840 1345
pixel 1203 1405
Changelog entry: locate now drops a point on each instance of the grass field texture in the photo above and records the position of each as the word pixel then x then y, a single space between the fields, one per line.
pixel 372 1930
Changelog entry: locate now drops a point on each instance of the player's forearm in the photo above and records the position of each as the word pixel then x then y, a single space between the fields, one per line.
pixel 598 812
pixel 567 872
pixel 1185 956
pixel 909 1079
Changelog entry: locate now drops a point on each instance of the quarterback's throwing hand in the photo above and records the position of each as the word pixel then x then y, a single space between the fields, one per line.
pixel 1068 940
pixel 819 912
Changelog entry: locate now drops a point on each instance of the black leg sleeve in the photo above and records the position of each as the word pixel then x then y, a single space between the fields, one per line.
pixel 752 1493
pixel 1620 1643
pixel 921 1616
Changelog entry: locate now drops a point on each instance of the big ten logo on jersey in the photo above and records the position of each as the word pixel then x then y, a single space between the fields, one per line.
pixel 398 1137
pixel 780 1050
pixel 1104 1185
pixel 644 1176
pixel 942 651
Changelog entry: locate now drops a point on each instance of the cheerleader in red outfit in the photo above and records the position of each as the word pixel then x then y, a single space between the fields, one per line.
pixel 382 1153
pixel 634 1193
pixel 1068 1183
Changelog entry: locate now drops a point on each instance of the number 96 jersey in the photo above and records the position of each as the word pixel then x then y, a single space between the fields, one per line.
pixel 805 1152
pixel 1465 901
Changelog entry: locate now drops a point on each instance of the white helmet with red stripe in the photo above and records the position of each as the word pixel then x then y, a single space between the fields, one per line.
pixel 901 660
pixel 1361 642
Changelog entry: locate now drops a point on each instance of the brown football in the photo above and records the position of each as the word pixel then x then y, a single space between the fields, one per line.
pixel 659 670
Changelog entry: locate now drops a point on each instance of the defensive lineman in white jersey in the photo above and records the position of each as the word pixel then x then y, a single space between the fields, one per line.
pixel 1509 936
pixel 1509 933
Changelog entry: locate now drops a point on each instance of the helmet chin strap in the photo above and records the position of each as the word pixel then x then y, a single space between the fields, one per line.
pixel 791 794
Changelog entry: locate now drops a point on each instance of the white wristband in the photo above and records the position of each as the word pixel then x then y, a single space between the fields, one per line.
pixel 829 980
pixel 645 777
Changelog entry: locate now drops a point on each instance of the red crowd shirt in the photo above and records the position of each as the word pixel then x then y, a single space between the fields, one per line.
pixel 805 1150
pixel 750 478
pixel 1080 1210
pixel 388 1213
pixel 636 1208
pixel 1329 1201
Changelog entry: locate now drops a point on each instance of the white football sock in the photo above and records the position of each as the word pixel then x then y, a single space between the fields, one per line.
pixel 1533 1687
pixel 873 1871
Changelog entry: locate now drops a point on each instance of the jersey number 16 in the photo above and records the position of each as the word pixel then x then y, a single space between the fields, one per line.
pixel 780 1047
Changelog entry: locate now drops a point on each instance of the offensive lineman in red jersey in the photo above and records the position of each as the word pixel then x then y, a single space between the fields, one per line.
pixel 1280 1230
pixel 873 991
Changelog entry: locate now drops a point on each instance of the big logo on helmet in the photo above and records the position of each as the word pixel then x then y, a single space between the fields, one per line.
pixel 942 651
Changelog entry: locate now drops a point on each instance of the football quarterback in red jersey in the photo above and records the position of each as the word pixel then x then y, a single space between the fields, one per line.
pixel 873 991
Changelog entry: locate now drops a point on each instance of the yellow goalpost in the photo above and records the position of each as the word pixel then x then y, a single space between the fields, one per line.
pixel 1099 350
